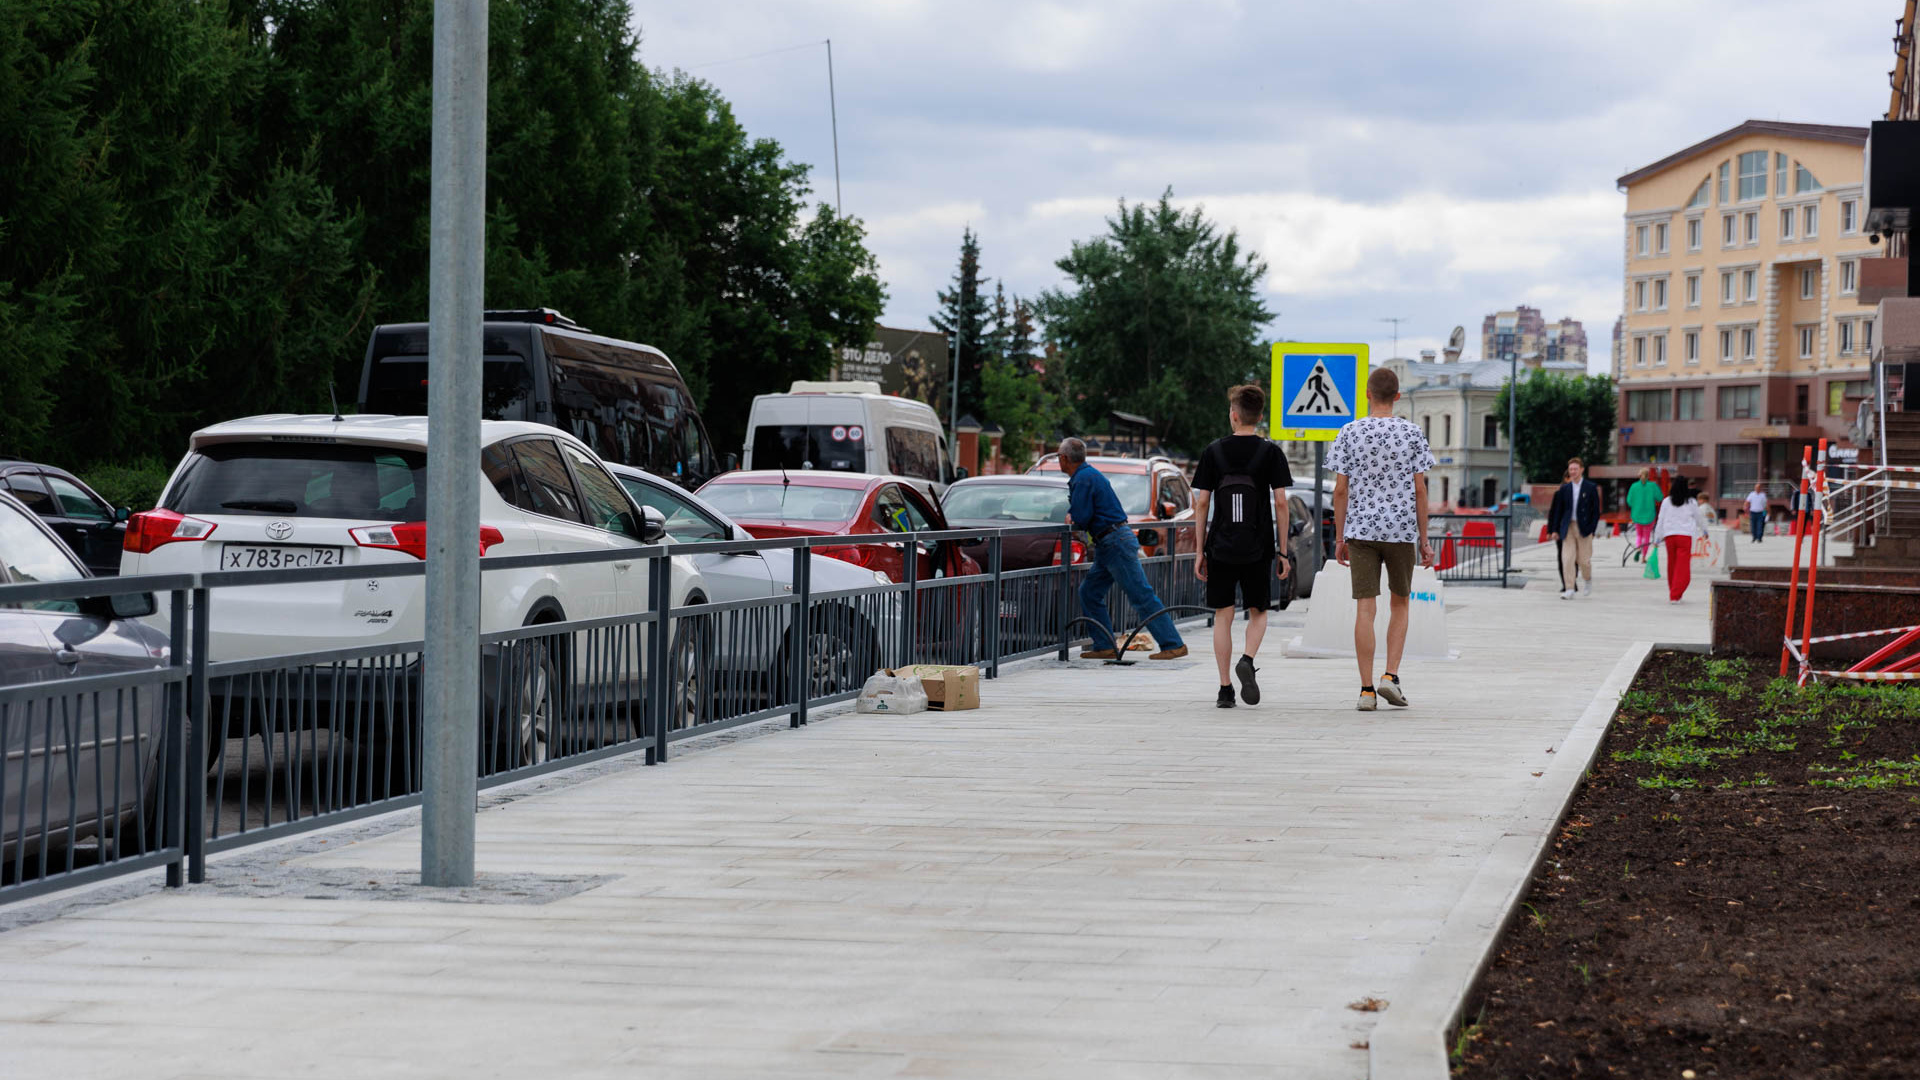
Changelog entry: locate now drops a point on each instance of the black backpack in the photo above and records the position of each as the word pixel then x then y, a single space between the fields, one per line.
pixel 1241 530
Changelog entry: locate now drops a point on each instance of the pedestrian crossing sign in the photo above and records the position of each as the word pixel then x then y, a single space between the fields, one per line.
pixel 1317 389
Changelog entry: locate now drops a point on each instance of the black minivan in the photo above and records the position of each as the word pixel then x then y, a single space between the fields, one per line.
pixel 625 400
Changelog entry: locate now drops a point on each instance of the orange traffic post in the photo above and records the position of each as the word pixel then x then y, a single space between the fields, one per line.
pixel 1813 559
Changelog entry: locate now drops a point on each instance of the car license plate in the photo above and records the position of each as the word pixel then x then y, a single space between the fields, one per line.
pixel 277 557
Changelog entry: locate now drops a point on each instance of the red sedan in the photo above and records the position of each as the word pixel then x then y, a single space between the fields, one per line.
pixel 772 504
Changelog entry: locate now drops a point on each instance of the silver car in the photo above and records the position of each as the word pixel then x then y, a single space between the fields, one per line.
pixel 77 765
pixel 849 636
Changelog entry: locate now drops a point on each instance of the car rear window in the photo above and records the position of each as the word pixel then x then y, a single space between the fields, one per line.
pixel 398 385
pixel 784 502
pixel 321 480
pixel 1024 503
pixel 839 447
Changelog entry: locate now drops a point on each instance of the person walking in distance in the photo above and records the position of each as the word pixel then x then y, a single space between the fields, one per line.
pixel 1380 462
pixel 1094 508
pixel 1757 511
pixel 1679 526
pixel 1575 515
pixel 1243 480
pixel 1643 508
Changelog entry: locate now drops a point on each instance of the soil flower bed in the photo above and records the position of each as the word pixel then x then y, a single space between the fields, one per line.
pixel 1735 892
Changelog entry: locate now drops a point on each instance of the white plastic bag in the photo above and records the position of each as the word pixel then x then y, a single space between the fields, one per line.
pixel 888 694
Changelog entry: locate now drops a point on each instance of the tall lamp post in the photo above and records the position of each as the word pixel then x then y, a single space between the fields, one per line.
pixel 1513 431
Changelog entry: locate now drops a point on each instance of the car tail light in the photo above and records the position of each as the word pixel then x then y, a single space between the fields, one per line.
pixel 1079 553
pixel 153 528
pixel 411 538
pixel 864 555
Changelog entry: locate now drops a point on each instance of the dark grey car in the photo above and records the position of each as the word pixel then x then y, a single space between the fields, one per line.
pixel 76 764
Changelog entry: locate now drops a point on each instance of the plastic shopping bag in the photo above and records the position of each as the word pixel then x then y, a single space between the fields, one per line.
pixel 888 694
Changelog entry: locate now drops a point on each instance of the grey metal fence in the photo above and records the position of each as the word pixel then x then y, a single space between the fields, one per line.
pixel 186 755
pixel 1471 547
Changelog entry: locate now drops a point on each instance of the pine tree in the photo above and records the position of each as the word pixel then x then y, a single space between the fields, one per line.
pixel 964 318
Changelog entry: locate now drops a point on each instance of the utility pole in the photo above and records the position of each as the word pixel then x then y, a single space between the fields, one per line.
pixel 1513 431
pixel 1396 320
pixel 456 268
pixel 833 110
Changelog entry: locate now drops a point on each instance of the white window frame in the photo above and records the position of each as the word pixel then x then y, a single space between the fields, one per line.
pixel 1786 223
pixel 1810 221
pixel 1808 277
pixel 1849 216
pixel 1694 231
pixel 1640 295
pixel 1729 294
pixel 1729 230
pixel 1749 286
pixel 1849 277
pixel 1690 346
pixel 1846 337
pixel 1639 350
pixel 1693 289
pixel 1750 228
pixel 1660 237
pixel 1806 340
pixel 1659 350
pixel 1659 294
pixel 1748 336
pixel 1726 346
pixel 1866 336
pixel 1741 176
pixel 1640 241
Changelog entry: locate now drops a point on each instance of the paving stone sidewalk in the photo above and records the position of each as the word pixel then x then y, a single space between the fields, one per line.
pixel 1098 874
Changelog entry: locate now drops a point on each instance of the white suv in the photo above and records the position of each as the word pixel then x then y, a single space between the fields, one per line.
pixel 283 491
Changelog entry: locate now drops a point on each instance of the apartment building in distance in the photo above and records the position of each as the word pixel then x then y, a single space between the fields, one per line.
pixel 1744 338
pixel 1522 332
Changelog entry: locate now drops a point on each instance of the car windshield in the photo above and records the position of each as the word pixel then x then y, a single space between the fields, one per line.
pixel 339 480
pixel 784 502
pixel 1027 503
pixel 818 446
pixel 1131 488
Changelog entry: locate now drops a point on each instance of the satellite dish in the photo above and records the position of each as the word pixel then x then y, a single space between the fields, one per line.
pixel 1458 339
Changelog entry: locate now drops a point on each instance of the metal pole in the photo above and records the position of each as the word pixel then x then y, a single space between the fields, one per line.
pixel 803 634
pixel 1319 513
pixel 1066 590
pixel 994 604
pixel 197 736
pixel 1513 399
pixel 179 780
pixel 833 110
pixel 456 267
pixel 953 401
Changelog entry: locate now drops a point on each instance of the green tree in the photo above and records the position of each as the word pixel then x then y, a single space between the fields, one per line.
pixel 1165 314
pixel 1559 417
pixel 968 323
pixel 1015 395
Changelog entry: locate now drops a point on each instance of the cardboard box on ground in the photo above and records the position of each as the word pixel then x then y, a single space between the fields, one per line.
pixel 949 687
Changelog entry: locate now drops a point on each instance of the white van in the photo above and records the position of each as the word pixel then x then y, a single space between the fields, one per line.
pixel 849 427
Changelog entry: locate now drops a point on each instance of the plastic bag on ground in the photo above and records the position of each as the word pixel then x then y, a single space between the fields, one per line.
pixel 890 695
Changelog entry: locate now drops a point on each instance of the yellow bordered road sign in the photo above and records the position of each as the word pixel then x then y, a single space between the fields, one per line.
pixel 1318 388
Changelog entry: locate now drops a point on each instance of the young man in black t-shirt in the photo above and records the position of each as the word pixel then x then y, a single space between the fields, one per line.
pixel 1243 480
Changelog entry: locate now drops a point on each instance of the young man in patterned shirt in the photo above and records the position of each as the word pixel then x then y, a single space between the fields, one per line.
pixel 1380 518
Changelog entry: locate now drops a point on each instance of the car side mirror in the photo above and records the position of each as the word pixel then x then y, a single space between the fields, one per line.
pixel 1167 509
pixel 122 514
pixel 120 606
pixel 960 473
pixel 1296 528
pixel 653 525
pixel 733 462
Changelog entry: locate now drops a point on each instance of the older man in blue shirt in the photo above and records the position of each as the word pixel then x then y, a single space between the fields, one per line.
pixel 1093 507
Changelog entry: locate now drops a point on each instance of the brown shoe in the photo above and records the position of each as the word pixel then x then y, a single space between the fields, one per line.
pixel 1170 654
pixel 1098 654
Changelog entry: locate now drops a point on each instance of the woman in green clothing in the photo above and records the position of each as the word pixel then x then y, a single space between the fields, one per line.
pixel 1643 505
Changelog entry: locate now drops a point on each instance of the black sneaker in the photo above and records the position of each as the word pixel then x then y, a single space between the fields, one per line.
pixel 1249 690
pixel 1225 700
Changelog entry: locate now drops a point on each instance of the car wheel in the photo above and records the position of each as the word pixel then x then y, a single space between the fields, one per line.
pixel 526 705
pixel 690 695
pixel 833 663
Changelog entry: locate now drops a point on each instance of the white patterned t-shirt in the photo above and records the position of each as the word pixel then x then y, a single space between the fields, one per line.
pixel 1379 456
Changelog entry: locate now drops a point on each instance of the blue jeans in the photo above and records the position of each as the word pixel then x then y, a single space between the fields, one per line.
pixel 1117 558
pixel 1759 524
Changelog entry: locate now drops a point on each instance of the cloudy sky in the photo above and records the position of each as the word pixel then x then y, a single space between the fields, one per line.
pixel 1426 159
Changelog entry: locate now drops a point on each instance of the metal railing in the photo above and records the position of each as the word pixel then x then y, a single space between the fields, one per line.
pixel 1471 547
pixel 184 754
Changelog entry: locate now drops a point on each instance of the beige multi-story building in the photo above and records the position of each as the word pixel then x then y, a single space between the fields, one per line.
pixel 1744 338
pixel 1523 332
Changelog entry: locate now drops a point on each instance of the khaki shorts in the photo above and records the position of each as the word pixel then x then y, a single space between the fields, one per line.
pixel 1368 556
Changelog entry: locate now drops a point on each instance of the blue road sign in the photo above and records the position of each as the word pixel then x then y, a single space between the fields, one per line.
pixel 1319 389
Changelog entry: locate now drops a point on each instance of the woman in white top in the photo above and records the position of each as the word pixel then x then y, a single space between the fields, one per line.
pixel 1677 528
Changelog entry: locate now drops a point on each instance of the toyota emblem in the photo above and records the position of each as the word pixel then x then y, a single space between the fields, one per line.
pixel 279 530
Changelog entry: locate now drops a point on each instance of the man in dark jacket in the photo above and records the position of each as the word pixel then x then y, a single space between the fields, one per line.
pixel 1572 519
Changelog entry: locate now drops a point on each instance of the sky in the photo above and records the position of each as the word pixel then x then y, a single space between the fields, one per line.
pixel 1428 160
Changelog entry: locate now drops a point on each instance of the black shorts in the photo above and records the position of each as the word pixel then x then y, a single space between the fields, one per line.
pixel 1253 580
